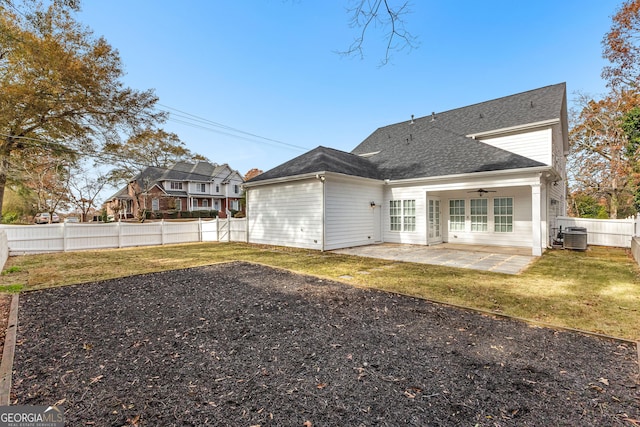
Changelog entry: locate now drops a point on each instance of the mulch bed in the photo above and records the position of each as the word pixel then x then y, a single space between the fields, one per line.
pixel 244 345
pixel 5 303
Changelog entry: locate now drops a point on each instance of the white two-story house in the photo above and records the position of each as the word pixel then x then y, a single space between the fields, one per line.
pixel 491 173
pixel 183 187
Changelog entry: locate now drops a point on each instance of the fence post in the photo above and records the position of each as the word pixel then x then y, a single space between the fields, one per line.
pixel 199 229
pixel 64 237
pixel 162 231
pixel 119 225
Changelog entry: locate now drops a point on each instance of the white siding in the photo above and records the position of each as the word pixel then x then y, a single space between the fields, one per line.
pixel 350 218
pixel 288 214
pixel 521 235
pixel 557 206
pixel 557 203
pixel 418 237
pixel 535 145
pixel 559 158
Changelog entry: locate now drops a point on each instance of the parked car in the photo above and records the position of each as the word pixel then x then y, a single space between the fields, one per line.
pixel 72 219
pixel 43 218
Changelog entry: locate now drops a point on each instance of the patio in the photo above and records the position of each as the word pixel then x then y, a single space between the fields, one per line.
pixel 497 259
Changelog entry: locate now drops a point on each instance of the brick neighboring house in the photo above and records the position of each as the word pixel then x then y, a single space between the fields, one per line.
pixel 181 188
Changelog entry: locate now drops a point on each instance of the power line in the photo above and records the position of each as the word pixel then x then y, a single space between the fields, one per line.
pixel 211 126
pixel 100 156
pixel 209 129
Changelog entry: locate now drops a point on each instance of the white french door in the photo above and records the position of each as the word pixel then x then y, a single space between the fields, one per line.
pixel 434 224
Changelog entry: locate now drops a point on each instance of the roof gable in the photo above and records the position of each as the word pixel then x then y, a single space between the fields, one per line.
pixel 323 159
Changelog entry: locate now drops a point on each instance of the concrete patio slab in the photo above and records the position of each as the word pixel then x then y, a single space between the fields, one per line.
pixel 499 259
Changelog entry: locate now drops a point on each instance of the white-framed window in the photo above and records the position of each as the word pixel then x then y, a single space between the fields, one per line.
pixel 217 188
pixel 155 204
pixel 175 185
pixel 202 188
pixel 402 215
pixel 409 215
pixel 205 203
pixel 235 205
pixel 178 204
pixel 478 208
pixel 457 215
pixel 216 205
pixel 236 188
pixel 395 215
pixel 503 214
pixel 194 203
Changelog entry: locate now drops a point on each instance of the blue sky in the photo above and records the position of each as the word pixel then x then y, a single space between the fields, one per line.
pixel 269 67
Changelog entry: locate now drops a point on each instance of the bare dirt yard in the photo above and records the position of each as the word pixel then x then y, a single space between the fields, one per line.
pixel 240 344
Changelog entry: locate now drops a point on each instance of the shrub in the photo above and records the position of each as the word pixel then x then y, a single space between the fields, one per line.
pixel 10 217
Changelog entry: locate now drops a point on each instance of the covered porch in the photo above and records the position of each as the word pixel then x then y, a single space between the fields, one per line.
pixel 515 212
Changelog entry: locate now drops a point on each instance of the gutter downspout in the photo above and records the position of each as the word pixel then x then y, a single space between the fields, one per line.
pixel 324 197
pixel 246 222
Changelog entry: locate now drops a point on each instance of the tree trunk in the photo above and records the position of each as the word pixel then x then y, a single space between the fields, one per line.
pixel 5 152
pixel 613 208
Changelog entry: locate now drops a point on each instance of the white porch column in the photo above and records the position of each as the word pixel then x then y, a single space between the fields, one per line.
pixel 536 228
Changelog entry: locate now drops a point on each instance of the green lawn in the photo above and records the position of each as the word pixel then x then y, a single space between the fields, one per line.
pixel 597 290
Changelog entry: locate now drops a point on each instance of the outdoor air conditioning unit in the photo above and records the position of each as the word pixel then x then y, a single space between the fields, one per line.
pixel 575 238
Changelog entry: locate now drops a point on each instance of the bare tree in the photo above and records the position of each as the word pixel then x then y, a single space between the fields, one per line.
pixel 368 15
pixel 84 186
pixel 47 179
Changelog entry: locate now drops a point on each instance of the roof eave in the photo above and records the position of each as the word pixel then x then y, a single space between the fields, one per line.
pixel 284 179
pixel 315 175
pixel 431 179
pixel 519 128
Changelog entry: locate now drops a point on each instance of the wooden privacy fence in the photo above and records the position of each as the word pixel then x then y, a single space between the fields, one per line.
pixel 605 232
pixel 33 239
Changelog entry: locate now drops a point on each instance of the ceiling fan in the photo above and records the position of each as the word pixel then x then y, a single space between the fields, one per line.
pixel 481 191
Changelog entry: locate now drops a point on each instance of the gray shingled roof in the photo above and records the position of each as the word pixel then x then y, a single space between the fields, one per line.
pixel 323 159
pixel 436 145
pixel 181 171
pixel 433 151
pixel 151 174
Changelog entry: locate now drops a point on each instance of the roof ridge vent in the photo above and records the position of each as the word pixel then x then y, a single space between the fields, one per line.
pixel 433 116
pixel 412 122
